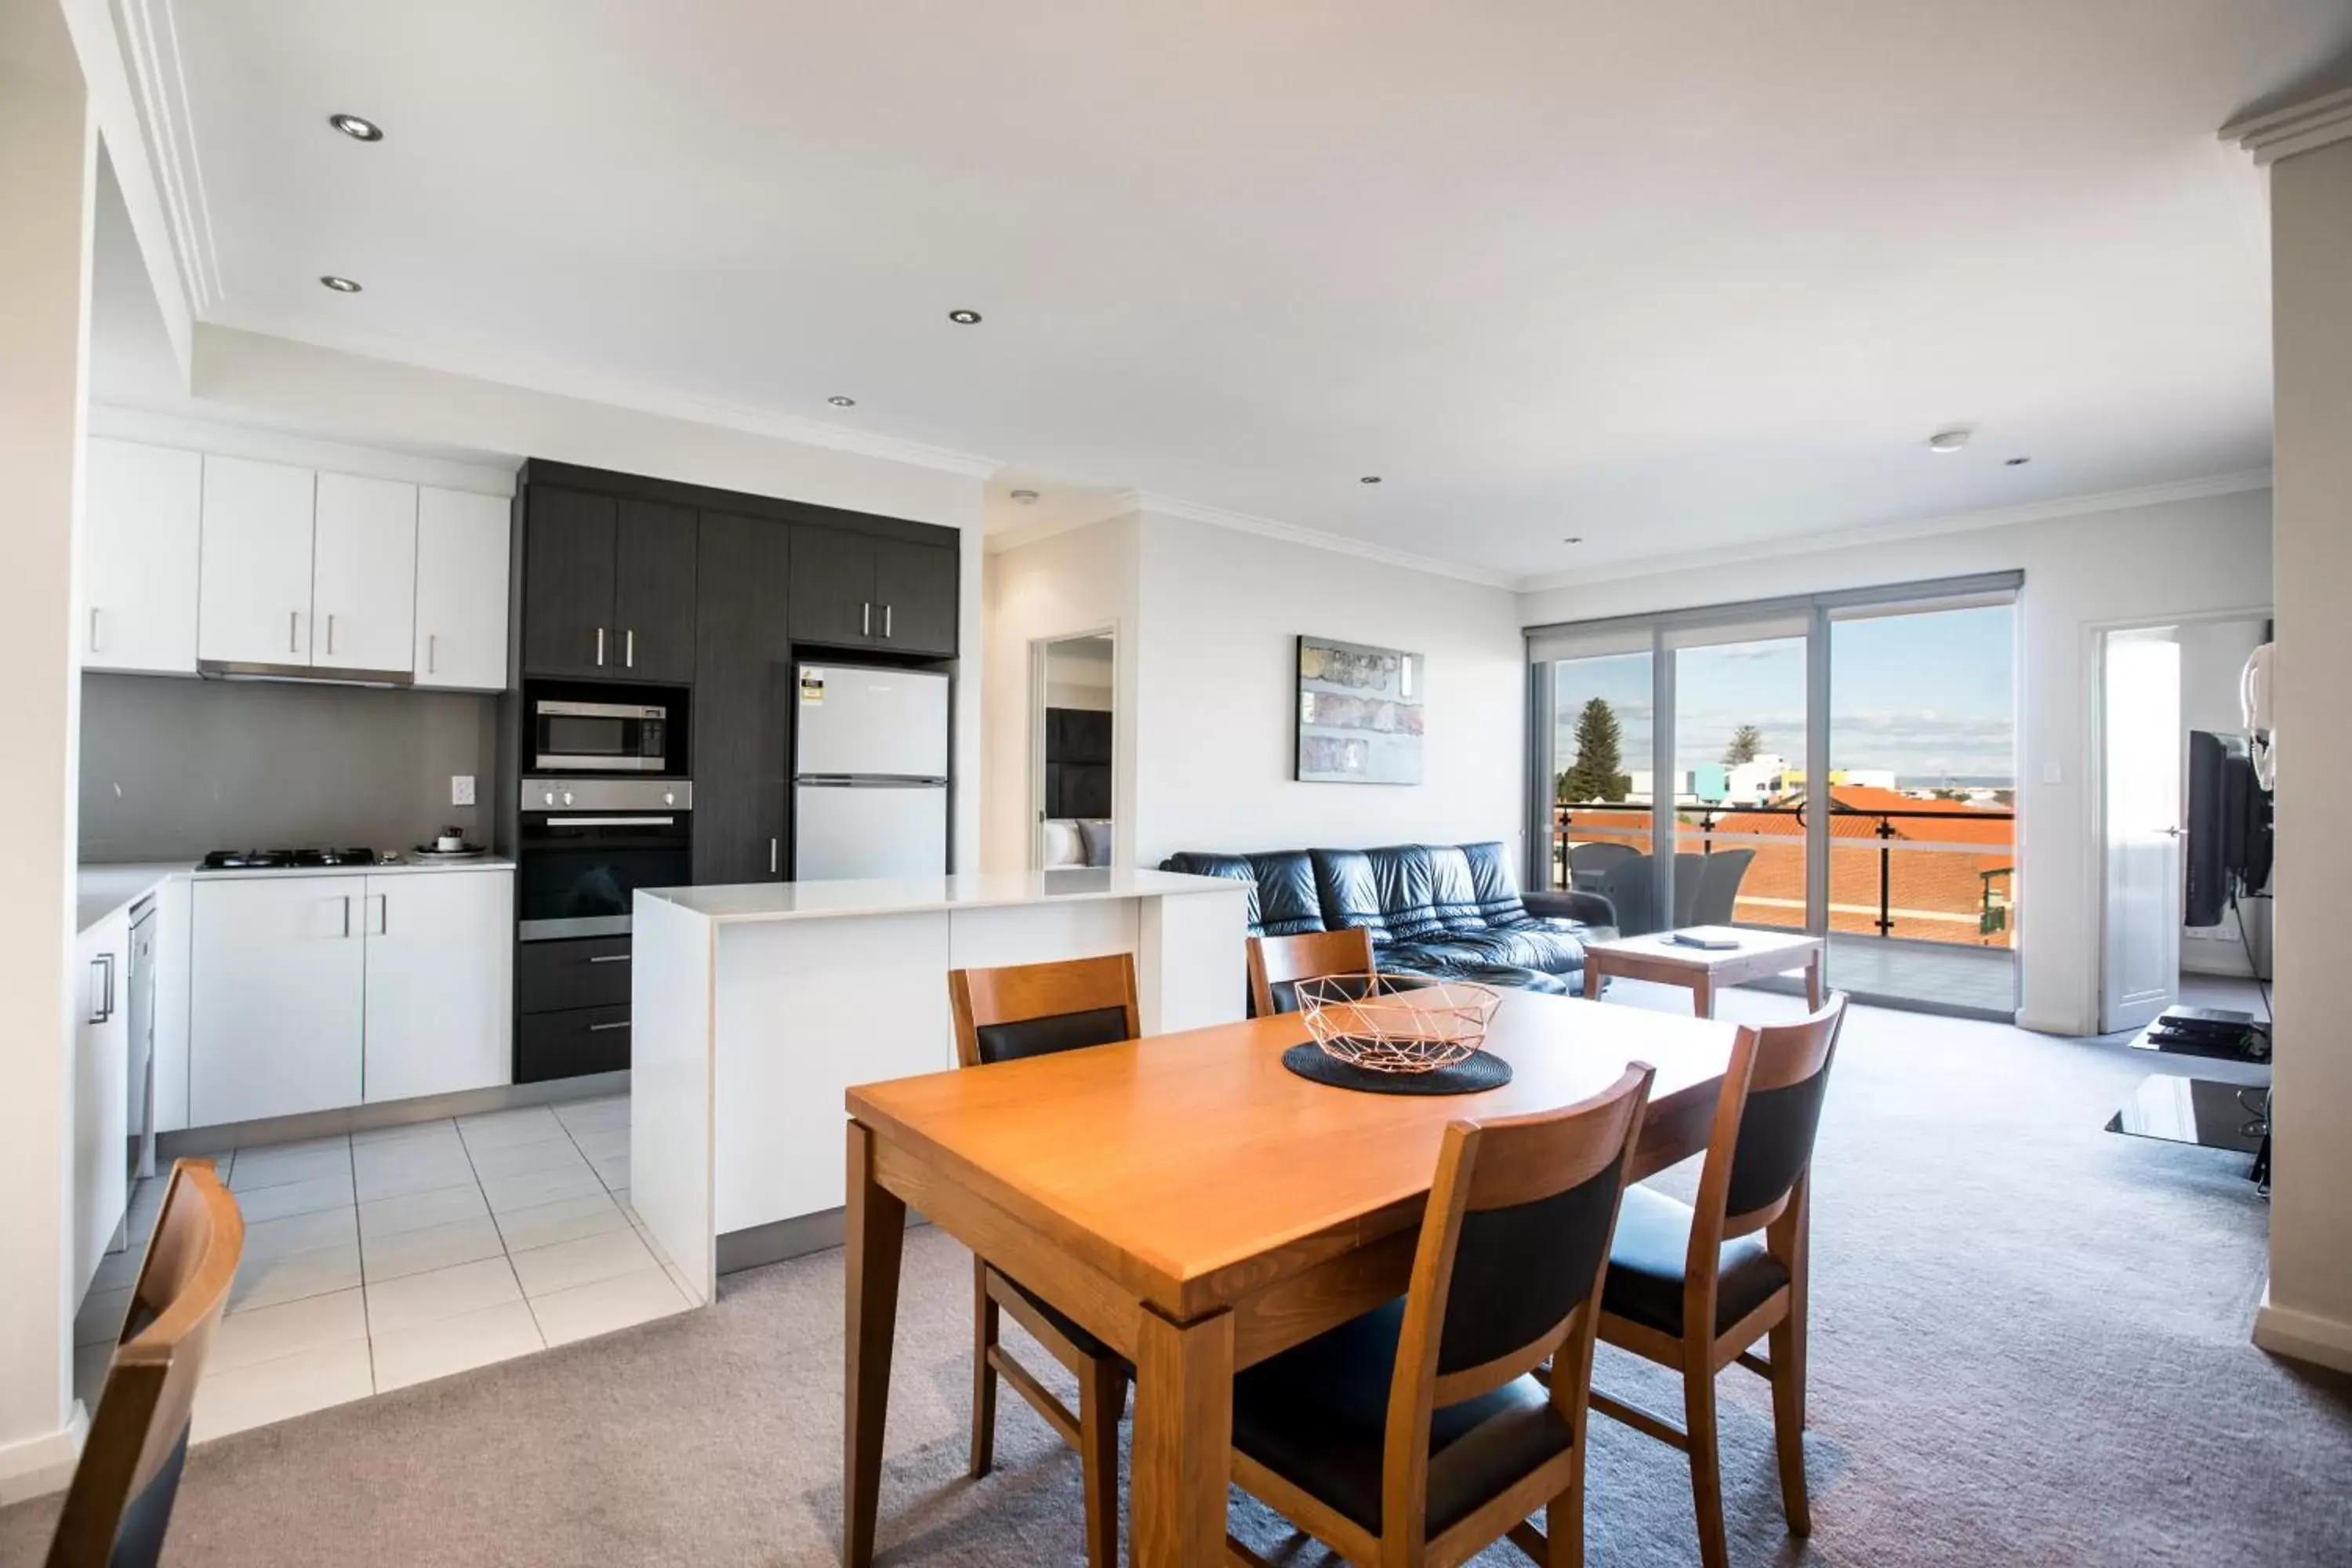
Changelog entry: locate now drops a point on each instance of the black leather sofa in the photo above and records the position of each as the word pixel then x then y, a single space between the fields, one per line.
pixel 1447 909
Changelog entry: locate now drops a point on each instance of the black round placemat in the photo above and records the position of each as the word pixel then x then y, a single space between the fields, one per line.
pixel 1482 1070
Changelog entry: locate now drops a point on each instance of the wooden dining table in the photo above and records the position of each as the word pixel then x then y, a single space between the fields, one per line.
pixel 1200 1207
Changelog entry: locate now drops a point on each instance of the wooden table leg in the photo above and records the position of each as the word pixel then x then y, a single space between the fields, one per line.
pixel 877 1224
pixel 1183 1441
pixel 1813 988
pixel 1702 995
pixel 1591 978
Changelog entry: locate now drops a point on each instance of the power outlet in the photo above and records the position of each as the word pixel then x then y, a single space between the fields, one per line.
pixel 461 789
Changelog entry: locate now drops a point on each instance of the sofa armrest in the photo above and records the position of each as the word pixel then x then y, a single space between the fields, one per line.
pixel 1588 909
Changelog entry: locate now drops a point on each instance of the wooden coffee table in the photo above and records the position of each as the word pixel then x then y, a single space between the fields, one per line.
pixel 1760 954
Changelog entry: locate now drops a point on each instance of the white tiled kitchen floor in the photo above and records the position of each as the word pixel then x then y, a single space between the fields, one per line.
pixel 373 1260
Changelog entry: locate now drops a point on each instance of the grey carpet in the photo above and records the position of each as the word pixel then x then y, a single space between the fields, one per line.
pixel 2030 1347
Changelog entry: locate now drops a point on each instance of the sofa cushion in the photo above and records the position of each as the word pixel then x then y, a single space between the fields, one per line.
pixel 1407 890
pixel 1288 900
pixel 1350 893
pixel 1452 891
pixel 1493 886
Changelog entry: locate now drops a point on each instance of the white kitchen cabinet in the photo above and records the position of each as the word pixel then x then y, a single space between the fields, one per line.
pixel 461 589
pixel 440 984
pixel 363 574
pixel 140 532
pixel 101 1124
pixel 253 571
pixel 277 984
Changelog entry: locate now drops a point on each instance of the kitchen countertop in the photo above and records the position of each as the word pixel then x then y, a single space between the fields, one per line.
pixel 103 888
pixel 915 895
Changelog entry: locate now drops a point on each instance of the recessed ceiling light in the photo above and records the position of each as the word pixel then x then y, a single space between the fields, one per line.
pixel 1950 441
pixel 357 129
pixel 964 318
pixel 1026 498
pixel 1369 479
pixel 2015 462
pixel 840 402
pixel 340 285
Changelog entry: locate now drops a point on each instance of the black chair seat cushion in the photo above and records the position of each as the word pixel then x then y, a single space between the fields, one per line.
pixel 1645 1267
pixel 1069 1327
pixel 1406 960
pixel 1317 1416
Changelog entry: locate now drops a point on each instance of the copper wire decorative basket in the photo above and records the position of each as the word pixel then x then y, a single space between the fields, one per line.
pixel 1397 1023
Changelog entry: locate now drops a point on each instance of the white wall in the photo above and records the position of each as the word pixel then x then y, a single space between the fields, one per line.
pixel 2212 656
pixel 49 160
pixel 1218 696
pixel 323 392
pixel 2309 1311
pixel 1081 581
pixel 2143 564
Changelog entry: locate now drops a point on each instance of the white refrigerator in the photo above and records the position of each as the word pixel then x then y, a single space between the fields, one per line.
pixel 869 772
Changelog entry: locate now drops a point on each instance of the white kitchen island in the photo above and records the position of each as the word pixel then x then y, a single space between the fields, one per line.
pixel 754 1007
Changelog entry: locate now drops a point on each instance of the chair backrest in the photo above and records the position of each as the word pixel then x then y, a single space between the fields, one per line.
pixel 1718 886
pixel 1508 1271
pixel 1690 872
pixel 1628 888
pixel 1599 853
pixel 120 1502
pixel 1035 1009
pixel 1761 1145
pixel 1278 964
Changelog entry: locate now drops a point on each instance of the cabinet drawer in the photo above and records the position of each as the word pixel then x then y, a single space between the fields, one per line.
pixel 551 976
pixel 566 1045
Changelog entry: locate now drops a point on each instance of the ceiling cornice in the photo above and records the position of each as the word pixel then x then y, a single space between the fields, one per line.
pixel 1886 532
pixel 1120 505
pixel 596 386
pixel 150 38
pixel 1315 538
pixel 2298 128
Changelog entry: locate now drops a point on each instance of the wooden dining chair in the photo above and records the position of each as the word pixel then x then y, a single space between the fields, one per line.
pixel 1278 964
pixel 1693 1286
pixel 1414 1434
pixel 120 1502
pixel 1001 1015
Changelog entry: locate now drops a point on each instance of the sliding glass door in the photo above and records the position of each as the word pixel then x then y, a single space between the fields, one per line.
pixel 1840 764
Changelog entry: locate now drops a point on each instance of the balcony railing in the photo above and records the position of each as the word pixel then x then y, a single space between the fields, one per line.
pixel 1885 881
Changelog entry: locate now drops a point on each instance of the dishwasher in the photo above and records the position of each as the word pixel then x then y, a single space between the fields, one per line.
pixel 142 1038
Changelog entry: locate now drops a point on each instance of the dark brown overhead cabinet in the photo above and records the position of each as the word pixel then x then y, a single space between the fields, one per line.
pixel 608 588
pixel 853 590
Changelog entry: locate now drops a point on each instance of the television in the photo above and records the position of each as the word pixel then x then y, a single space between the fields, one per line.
pixel 2229 827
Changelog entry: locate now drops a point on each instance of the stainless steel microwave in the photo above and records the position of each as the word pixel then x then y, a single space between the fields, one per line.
pixel 599 737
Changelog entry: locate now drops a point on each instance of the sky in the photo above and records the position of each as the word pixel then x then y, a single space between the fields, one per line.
pixel 1926 696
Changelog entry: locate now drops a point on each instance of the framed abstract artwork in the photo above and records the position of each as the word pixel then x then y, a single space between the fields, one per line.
pixel 1359 714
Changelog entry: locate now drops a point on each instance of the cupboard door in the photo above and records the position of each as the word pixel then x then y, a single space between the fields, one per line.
pixel 440 983
pixel 654 590
pixel 915 596
pixel 253 574
pixel 832 588
pixel 101 1124
pixel 461 589
pixel 278 980
pixel 742 711
pixel 567 585
pixel 139 515
pixel 363 574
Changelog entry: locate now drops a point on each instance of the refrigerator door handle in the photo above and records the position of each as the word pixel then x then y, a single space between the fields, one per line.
pixel 868 781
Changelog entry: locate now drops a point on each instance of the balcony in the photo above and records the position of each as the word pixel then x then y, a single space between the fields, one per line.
pixel 1922 906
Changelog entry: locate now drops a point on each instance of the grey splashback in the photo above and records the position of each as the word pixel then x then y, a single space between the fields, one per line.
pixel 172 768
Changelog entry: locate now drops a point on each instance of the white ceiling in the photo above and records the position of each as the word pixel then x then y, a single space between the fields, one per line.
pixel 1672 277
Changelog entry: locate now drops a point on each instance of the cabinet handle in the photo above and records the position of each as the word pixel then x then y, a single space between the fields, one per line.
pixel 102 986
pixel 610 958
pixel 331 635
pixel 431 653
pixel 382 916
pixel 93 628
pixel 772 854
pixel 600 647
pixel 347 915
pixel 885 621
pixel 629 647
pixel 293 631
pixel 865 622
pixel 601 1028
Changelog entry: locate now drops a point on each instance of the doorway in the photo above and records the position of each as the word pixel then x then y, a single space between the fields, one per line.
pixel 2166 695
pixel 1073 728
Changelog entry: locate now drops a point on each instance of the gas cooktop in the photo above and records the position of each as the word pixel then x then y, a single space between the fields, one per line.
pixel 276 860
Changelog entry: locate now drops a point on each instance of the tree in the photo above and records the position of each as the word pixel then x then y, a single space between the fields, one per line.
pixel 1595 775
pixel 1745 742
